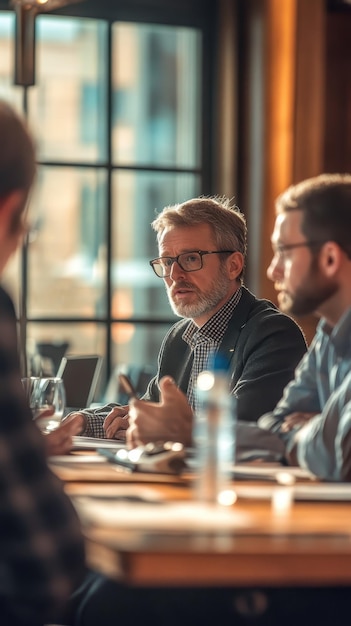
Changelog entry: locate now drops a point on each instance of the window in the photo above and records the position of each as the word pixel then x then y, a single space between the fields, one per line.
pixel 117 115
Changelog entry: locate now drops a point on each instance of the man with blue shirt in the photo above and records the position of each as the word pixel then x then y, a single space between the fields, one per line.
pixel 311 269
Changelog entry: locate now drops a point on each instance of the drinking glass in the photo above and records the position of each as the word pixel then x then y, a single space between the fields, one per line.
pixel 30 386
pixel 48 403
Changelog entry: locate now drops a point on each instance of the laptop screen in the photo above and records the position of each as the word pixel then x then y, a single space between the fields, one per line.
pixel 80 375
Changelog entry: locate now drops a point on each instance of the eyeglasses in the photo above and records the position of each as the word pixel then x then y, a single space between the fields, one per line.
pixel 280 249
pixel 187 261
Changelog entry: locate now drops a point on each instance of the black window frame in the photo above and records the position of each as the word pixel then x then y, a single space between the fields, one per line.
pixel 198 14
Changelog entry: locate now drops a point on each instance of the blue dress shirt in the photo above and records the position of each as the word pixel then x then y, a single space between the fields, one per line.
pixel 322 385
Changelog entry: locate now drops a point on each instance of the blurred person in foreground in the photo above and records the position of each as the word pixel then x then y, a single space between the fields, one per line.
pixel 41 548
pixel 311 270
pixel 202 252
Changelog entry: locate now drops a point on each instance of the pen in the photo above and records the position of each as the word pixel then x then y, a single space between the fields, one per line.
pixel 127 386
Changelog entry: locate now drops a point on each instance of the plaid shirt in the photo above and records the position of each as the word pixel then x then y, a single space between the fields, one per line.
pixel 41 547
pixel 205 341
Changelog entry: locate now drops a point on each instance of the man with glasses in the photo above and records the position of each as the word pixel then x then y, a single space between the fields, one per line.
pixel 311 270
pixel 202 252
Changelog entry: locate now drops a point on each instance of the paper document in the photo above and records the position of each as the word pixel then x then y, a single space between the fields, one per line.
pixel 183 516
pixel 270 471
pixel 91 443
pixel 318 492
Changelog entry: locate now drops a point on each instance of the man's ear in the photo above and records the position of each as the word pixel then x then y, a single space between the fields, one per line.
pixel 235 264
pixel 11 208
pixel 330 258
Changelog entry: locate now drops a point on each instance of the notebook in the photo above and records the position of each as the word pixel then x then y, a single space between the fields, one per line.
pixel 80 375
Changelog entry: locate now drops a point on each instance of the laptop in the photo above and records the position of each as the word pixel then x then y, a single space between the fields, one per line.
pixel 80 375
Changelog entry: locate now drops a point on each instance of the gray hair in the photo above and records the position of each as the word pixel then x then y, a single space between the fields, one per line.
pixel 227 223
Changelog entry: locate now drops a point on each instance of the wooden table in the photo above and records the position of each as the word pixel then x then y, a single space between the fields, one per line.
pixel 307 543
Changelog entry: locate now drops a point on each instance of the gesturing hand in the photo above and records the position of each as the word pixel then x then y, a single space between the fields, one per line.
pixel 171 419
pixel 59 441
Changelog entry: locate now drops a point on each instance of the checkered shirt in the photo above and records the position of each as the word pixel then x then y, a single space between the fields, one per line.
pixel 205 341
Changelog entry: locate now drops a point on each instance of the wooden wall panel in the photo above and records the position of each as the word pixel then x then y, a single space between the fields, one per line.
pixel 309 90
pixel 294 117
pixel 290 130
pixel 279 83
pixel 309 126
pixel 337 147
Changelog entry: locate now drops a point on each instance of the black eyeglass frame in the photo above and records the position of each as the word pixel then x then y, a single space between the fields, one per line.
pixel 281 248
pixel 175 259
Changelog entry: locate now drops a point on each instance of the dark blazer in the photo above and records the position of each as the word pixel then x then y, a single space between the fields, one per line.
pixel 262 345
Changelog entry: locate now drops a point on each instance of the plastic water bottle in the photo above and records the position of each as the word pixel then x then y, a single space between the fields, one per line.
pixel 214 436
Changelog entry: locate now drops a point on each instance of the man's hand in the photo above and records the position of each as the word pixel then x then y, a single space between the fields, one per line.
pixel 59 441
pixel 78 419
pixel 169 420
pixel 295 419
pixel 116 423
pixel 292 421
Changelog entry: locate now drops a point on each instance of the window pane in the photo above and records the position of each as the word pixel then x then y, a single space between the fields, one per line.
pixel 7 26
pixel 137 345
pixel 155 121
pixel 137 197
pixel 7 90
pixel 67 250
pixel 156 92
pixel 68 103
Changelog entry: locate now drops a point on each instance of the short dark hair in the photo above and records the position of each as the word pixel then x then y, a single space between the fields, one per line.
pixel 17 153
pixel 325 201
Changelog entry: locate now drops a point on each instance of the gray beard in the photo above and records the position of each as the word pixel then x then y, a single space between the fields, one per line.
pixel 207 301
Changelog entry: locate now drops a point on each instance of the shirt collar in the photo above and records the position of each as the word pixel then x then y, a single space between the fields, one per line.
pixel 216 326
pixel 340 334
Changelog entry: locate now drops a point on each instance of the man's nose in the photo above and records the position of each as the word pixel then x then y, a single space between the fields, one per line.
pixel 274 270
pixel 176 271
